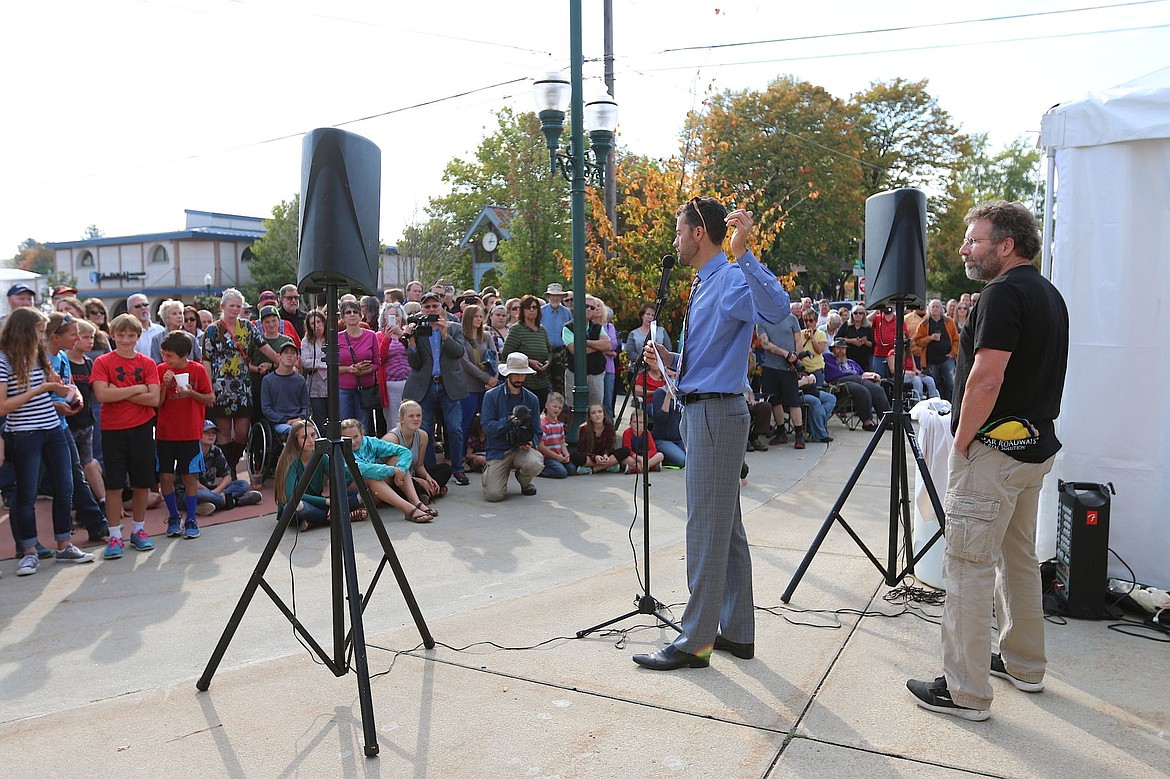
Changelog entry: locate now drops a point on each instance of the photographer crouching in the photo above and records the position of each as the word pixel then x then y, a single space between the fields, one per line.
pixel 510 420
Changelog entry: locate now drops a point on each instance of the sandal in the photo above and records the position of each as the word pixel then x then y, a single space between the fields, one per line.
pixel 421 505
pixel 418 515
pixel 358 515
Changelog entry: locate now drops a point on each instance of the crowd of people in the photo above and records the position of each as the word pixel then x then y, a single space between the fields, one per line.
pixel 447 384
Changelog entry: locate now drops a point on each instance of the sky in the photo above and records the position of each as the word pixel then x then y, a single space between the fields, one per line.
pixel 123 113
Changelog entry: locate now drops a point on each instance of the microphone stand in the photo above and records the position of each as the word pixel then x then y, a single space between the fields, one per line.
pixel 646 603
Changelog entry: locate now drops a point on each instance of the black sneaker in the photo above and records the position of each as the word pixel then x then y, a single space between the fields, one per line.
pixel 934 696
pixel 460 478
pixel 100 534
pixel 780 438
pixel 1000 670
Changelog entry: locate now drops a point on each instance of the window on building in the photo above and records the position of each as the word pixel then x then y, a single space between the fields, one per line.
pixel 159 255
pixel 247 255
pixel 85 260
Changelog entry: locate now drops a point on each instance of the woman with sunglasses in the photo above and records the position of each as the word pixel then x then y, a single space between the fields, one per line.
pixel 513 309
pixel 858 336
pixel 191 322
pixel 359 359
pixel 96 312
pixel 962 311
pixel 529 337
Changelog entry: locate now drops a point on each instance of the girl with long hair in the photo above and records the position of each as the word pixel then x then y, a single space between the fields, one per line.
pixel 34 436
pixel 314 366
pixel 595 440
pixel 313 509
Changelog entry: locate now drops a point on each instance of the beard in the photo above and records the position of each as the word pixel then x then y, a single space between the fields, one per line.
pixel 982 267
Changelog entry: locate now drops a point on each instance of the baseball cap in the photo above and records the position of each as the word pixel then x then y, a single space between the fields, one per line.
pixel 290 345
pixel 430 296
pixel 19 289
pixel 269 311
pixel 64 289
pixel 267 295
pixel 839 342
pixel 209 425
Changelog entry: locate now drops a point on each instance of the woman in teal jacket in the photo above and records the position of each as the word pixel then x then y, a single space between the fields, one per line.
pixel 313 509
pixel 389 482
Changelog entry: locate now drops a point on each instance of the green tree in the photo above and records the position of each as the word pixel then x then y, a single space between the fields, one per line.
pixel 1011 174
pixel 510 168
pixel 907 139
pixel 276 254
pixel 93 231
pixel 788 153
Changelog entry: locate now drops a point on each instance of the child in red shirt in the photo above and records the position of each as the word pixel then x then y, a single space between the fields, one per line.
pixel 186 394
pixel 632 440
pixel 126 384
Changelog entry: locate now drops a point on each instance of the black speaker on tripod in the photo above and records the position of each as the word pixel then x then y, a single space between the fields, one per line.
pixel 895 248
pixel 341 176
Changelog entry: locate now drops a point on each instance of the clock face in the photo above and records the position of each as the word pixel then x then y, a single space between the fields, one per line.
pixel 489 242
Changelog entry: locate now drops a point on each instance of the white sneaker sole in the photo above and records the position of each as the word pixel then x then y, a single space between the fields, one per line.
pixel 1020 684
pixel 972 715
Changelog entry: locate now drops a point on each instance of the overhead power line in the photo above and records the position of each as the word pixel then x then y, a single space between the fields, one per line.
pixel 904 49
pixel 906 28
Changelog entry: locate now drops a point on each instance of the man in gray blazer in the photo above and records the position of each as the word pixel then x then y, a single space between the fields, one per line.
pixel 436 380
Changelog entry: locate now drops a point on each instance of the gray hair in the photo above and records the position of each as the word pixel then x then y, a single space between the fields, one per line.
pixel 231 293
pixel 167 305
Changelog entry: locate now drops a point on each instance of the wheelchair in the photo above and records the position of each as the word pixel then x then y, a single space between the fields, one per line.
pixel 845 410
pixel 264 447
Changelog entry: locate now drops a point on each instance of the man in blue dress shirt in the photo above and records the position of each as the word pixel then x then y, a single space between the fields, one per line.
pixel 727 301
pixel 554 315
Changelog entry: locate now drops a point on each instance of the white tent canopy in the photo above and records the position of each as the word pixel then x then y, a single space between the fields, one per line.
pixel 1110 250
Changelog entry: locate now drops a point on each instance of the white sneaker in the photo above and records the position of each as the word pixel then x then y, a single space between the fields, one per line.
pixel 205 509
pixel 71 554
pixel 28 565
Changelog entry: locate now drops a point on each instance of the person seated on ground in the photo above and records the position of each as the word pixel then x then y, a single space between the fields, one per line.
pixel 863 386
pixel 217 489
pixel 820 408
pixel 382 464
pixel 595 440
pixel 313 508
pixel 666 414
pixel 284 393
pixel 476 456
pixel 511 419
pixel 428 483
pixel 559 462
pixel 632 441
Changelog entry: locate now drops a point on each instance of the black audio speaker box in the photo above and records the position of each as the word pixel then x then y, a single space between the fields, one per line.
pixel 895 248
pixel 341 176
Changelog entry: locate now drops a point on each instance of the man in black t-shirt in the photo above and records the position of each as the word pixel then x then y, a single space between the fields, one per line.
pixel 1013 352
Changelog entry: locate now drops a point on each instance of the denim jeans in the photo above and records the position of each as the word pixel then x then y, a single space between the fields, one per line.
pixel 436 400
pixel 672 453
pixel 554 469
pixel 470 407
pixel 89 511
pixel 610 380
pixel 350 407
pixel 27 450
pixel 820 407
pixel 236 489
pixel 943 374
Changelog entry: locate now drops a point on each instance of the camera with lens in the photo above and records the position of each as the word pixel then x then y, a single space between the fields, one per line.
pixel 421 320
pixel 519 431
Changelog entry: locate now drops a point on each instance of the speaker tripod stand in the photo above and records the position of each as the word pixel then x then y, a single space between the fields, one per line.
pixel 342 561
pixel 898 420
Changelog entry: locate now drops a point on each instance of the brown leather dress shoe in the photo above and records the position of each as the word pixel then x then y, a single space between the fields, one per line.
pixel 669 659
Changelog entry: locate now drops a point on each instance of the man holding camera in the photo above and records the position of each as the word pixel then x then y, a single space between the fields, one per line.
pixel 509 418
pixel 434 349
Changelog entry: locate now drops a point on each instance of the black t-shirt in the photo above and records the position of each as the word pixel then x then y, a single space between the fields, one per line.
pixel 81 371
pixel 1022 313
pixel 594 361
pixel 862 355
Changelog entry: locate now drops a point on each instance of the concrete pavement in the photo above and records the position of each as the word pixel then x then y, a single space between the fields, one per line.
pixel 98 663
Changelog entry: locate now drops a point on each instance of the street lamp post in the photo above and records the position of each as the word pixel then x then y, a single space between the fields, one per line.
pixel 550 93
pixel 207 284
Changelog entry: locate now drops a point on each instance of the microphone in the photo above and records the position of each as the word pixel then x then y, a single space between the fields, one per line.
pixel 667 265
